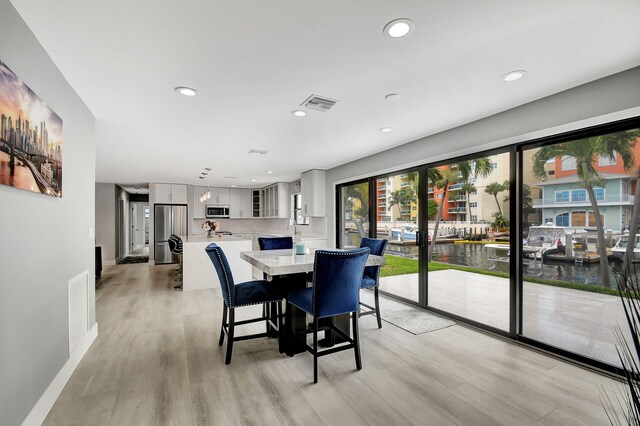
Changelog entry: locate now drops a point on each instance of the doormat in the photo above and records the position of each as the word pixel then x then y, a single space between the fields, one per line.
pixel 410 318
pixel 133 259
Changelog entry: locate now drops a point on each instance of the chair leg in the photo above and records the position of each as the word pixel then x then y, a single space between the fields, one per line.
pixel 224 320
pixel 376 297
pixel 315 349
pixel 232 321
pixel 356 340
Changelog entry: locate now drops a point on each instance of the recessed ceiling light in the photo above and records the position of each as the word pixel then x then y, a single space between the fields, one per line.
pixel 269 172
pixel 514 75
pixel 298 113
pixel 385 129
pixel 392 97
pixel 186 91
pixel 399 28
pixel 253 180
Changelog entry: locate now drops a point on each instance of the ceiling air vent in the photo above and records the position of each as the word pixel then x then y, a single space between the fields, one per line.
pixel 318 103
pixel 258 151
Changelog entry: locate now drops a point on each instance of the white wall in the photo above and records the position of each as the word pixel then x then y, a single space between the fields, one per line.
pixel 106 227
pixel 601 101
pixel 45 240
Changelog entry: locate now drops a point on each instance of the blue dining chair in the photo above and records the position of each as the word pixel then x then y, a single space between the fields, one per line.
pixel 275 243
pixel 335 291
pixel 371 277
pixel 242 294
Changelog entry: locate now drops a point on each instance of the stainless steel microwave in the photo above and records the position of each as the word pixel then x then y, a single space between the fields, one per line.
pixel 217 210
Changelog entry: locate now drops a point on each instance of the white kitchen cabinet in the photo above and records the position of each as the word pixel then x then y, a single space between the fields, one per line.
pixel 313 193
pixel 315 243
pixel 240 203
pixel 255 203
pixel 171 193
pixel 219 196
pixel 274 201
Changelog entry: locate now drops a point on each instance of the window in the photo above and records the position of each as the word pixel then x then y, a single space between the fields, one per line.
pixel 599 193
pixel 568 163
pixel 474 204
pixel 562 219
pixel 474 193
pixel 606 161
pixel 578 195
pixel 474 218
pixel 551 172
pixel 562 196
pixel 439 196
pixel 578 218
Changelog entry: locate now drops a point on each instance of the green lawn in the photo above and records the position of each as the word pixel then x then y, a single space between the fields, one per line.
pixel 397 265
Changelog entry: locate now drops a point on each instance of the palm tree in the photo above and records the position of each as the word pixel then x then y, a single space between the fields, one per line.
pixel 402 197
pixel 463 170
pixel 527 200
pixel 468 188
pixel 586 153
pixel 494 188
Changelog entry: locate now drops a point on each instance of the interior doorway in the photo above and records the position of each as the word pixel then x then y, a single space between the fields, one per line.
pixel 139 229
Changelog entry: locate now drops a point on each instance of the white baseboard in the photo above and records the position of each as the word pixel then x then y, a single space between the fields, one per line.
pixel 40 410
pixel 109 262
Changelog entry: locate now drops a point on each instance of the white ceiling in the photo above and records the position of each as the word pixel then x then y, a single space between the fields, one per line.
pixel 253 62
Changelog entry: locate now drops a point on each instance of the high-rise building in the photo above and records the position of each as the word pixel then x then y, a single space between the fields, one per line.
pixel 3 127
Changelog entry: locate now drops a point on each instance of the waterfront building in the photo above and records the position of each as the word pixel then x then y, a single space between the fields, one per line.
pixel 563 201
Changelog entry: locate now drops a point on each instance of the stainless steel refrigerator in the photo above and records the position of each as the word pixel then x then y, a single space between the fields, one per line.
pixel 168 219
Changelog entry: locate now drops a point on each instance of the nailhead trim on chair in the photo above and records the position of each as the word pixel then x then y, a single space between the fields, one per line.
pixel 315 262
pixel 226 276
pixel 259 303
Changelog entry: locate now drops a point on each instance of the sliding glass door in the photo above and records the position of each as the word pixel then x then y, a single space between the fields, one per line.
pixel 397 213
pixel 354 201
pixel 577 202
pixel 524 241
pixel 469 234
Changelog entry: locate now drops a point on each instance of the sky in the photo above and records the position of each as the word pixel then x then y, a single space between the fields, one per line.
pixel 17 99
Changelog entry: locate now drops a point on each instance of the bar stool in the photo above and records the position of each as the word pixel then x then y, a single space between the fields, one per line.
pixel 175 245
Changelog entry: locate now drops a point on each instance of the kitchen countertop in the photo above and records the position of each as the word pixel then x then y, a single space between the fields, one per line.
pixel 263 234
pixel 216 238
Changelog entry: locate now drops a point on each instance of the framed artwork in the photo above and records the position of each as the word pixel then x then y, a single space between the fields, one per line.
pixel 30 138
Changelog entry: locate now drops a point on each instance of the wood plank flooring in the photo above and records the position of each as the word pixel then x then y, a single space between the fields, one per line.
pixel 156 362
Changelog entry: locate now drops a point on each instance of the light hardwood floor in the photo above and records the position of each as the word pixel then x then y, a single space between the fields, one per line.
pixel 156 361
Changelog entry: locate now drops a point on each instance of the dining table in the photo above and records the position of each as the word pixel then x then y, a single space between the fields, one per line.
pixel 291 271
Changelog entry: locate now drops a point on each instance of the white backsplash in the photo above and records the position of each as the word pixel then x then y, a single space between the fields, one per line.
pixel 316 227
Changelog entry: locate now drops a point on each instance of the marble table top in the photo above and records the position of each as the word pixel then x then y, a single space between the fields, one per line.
pixel 283 262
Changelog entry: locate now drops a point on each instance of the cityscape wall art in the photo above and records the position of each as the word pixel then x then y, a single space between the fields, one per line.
pixel 30 138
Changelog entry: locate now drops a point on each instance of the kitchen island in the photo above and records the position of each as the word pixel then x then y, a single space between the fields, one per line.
pixel 198 271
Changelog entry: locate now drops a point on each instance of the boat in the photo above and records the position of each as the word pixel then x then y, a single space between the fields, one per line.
pixel 404 233
pixel 620 249
pixel 409 233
